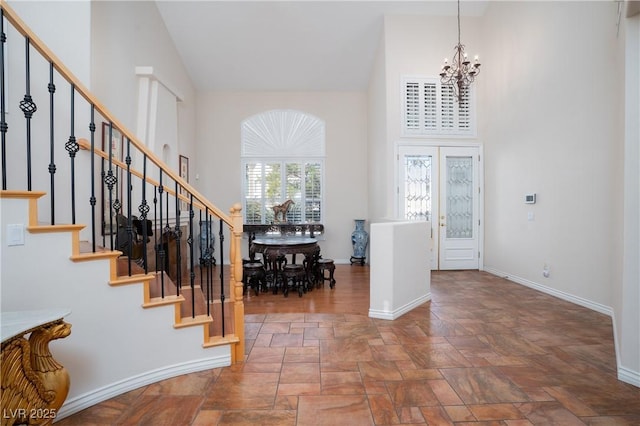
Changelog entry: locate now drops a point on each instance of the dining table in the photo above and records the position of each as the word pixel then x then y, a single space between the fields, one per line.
pixel 275 249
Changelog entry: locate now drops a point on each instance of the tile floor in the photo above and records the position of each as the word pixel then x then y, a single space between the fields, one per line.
pixel 484 351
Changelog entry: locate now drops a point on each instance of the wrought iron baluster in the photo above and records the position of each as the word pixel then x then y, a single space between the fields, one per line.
pixel 222 298
pixel 129 218
pixel 103 185
pixel 156 228
pixel 164 240
pixel 72 148
pixel 3 118
pixel 192 274
pixel 52 163
pixel 28 107
pixel 92 199
pixel 209 221
pixel 178 233
pixel 110 180
pixel 144 210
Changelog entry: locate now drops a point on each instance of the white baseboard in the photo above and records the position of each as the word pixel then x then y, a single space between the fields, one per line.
pixel 603 309
pixel 391 315
pixel 89 399
pixel 624 374
pixel 629 376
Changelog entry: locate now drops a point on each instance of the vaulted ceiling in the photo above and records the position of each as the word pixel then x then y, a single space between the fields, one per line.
pixel 301 45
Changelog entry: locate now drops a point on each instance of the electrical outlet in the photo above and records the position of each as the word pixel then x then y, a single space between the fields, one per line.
pixel 546 271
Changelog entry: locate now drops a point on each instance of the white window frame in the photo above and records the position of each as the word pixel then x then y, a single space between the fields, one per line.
pixel 424 119
pixel 266 213
pixel 284 137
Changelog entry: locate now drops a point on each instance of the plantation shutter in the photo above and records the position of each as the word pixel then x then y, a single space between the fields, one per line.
pixel 412 107
pixel 431 108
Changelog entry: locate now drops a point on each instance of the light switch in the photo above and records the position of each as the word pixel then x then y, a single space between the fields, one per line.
pixel 15 234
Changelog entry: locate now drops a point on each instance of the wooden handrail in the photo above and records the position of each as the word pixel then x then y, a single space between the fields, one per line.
pixel 86 145
pixel 40 46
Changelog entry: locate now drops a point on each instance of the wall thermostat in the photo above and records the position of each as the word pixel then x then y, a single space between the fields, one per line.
pixel 530 198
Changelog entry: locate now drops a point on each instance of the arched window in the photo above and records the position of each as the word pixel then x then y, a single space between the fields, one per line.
pixel 283 159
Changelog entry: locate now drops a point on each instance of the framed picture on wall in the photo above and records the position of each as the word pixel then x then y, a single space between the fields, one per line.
pixel 183 165
pixel 109 197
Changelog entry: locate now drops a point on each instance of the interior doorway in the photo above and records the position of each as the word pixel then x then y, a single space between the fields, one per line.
pixel 442 184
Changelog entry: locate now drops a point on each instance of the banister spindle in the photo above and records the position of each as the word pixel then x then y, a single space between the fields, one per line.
pixel 72 148
pixel 52 163
pixel 222 298
pixel 192 274
pixel 143 209
pixel 205 290
pixel 110 180
pixel 129 218
pixel 164 241
pixel 28 107
pixel 156 228
pixel 3 118
pixel 92 199
pixel 178 233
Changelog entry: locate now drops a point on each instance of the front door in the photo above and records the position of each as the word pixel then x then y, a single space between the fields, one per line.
pixel 441 185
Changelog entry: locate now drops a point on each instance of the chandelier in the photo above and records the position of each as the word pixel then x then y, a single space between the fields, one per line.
pixel 461 72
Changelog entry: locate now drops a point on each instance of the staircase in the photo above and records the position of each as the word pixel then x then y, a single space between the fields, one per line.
pixel 131 325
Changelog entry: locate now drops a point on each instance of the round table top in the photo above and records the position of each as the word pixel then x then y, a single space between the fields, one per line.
pixel 20 322
pixel 284 241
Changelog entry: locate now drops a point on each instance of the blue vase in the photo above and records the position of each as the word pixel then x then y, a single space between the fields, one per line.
pixel 359 240
pixel 206 245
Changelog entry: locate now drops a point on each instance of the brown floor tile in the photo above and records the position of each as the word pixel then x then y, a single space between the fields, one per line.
pixel 334 410
pixel 483 351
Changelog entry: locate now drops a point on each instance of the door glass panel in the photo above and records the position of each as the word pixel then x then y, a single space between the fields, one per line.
pixel 417 169
pixel 459 197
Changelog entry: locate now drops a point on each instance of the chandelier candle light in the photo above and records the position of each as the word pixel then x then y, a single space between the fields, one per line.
pixel 461 72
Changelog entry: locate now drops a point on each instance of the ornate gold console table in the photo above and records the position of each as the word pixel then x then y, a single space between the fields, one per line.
pixel 34 385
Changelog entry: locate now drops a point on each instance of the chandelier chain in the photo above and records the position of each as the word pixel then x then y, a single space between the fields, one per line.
pixel 461 73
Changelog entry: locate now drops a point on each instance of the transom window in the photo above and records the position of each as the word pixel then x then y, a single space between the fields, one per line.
pixel 283 159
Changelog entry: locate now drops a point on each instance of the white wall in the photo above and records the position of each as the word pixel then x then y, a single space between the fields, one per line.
pixel 377 131
pixel 553 126
pixel 553 129
pixel 629 297
pixel 345 115
pixel 130 34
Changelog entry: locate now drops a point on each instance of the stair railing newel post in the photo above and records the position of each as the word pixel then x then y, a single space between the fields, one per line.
pixel 236 280
pixel 52 163
pixel 92 199
pixel 3 116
